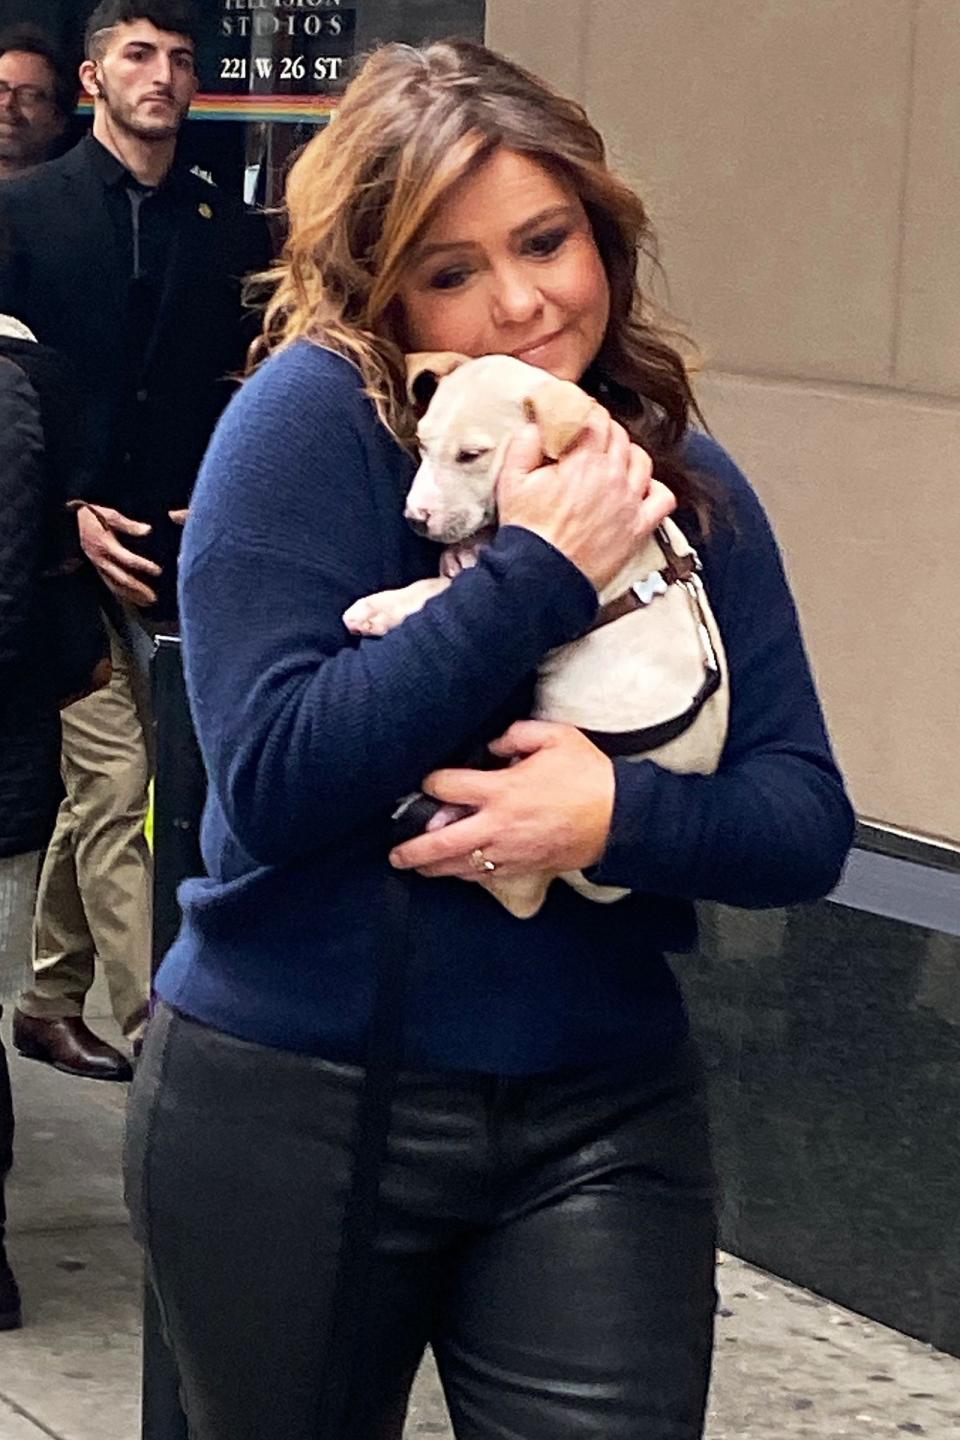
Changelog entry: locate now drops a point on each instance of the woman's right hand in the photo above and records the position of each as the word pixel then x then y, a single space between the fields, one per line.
pixel 597 505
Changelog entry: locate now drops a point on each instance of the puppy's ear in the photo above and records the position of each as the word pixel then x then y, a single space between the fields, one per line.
pixel 425 370
pixel 560 409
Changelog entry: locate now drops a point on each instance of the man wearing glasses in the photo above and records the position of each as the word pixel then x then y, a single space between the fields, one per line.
pixel 36 98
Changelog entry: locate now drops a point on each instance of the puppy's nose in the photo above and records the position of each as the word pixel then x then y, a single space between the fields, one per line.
pixel 417 518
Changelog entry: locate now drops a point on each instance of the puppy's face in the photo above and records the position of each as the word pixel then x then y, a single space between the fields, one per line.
pixel 476 409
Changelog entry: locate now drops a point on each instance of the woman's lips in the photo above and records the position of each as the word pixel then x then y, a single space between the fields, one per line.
pixel 530 353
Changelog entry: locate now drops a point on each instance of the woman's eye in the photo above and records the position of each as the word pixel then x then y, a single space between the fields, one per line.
pixel 547 243
pixel 448 279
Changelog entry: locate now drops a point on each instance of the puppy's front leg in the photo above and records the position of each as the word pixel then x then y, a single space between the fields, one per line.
pixel 376 614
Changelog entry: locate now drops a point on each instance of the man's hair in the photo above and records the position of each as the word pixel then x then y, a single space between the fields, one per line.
pixel 30 40
pixel 176 17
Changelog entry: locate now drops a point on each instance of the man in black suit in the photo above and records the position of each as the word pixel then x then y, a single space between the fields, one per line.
pixel 131 267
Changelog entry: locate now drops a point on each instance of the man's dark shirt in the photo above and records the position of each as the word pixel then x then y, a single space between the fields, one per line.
pixel 145 222
pixel 145 229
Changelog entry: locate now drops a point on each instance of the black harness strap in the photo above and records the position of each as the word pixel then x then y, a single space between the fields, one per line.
pixel 677 570
pixel 616 743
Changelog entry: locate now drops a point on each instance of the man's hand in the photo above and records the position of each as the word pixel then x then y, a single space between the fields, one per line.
pixel 117 566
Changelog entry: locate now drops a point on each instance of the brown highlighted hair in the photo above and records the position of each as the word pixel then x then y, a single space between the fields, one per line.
pixel 411 124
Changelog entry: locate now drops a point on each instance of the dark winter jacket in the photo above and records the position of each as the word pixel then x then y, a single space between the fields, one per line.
pixel 30 505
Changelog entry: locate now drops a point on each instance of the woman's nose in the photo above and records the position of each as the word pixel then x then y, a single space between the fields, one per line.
pixel 516 299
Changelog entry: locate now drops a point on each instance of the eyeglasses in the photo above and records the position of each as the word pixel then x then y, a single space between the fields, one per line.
pixel 26 97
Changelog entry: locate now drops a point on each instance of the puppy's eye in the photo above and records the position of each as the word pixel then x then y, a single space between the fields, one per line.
pixel 467 457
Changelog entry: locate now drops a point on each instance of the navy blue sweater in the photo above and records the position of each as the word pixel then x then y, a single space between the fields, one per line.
pixel 310 736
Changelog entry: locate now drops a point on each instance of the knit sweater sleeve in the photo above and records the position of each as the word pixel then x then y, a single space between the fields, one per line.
pixel 306 733
pixel 773 825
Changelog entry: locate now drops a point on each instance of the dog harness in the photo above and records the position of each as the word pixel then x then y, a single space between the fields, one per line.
pixel 680 570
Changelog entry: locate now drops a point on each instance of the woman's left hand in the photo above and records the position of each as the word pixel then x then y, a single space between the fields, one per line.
pixel 550 810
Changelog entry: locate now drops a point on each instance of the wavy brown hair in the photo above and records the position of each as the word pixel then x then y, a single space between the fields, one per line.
pixel 411 124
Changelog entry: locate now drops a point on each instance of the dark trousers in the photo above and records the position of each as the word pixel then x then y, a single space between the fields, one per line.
pixel 552 1239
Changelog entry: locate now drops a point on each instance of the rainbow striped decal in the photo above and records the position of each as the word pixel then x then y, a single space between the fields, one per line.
pixel 287 109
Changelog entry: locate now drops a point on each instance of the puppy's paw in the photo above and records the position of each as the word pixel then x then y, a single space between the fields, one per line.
pixel 448 815
pixel 371 616
pixel 419 814
pixel 378 614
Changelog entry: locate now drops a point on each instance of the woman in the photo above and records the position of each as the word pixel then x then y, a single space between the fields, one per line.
pixel 546 1216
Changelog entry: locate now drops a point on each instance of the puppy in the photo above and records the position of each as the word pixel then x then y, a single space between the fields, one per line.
pixel 649 680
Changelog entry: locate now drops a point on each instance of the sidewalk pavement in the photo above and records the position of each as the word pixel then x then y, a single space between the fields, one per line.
pixel 788 1364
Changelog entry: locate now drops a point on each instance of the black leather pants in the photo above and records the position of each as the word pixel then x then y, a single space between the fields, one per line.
pixel 553 1239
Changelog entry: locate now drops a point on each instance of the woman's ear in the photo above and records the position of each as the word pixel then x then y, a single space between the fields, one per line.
pixel 560 410
pixel 425 370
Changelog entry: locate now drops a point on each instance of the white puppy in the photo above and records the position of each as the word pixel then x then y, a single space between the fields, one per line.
pixel 649 680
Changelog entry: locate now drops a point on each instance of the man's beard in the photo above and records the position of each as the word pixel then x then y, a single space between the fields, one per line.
pixel 126 117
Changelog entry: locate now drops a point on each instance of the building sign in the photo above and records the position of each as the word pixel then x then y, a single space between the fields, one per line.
pixel 275 59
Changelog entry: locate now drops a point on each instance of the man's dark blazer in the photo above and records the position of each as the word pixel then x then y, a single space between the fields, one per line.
pixel 61 272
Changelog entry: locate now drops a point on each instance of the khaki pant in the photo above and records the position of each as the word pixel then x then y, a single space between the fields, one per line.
pixel 94 900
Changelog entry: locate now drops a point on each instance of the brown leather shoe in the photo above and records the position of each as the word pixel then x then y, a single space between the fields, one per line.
pixel 69 1045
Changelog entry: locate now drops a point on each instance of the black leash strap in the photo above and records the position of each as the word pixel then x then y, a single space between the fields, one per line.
pixel 352 1292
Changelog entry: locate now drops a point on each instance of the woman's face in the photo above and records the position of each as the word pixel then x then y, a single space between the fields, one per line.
pixel 509 265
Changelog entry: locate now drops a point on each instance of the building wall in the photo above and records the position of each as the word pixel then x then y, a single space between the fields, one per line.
pixel 800 160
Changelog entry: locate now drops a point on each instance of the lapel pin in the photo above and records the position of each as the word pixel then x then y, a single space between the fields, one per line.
pixel 205 211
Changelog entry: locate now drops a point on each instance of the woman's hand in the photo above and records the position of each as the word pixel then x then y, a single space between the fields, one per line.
pixel 598 504
pixel 550 810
